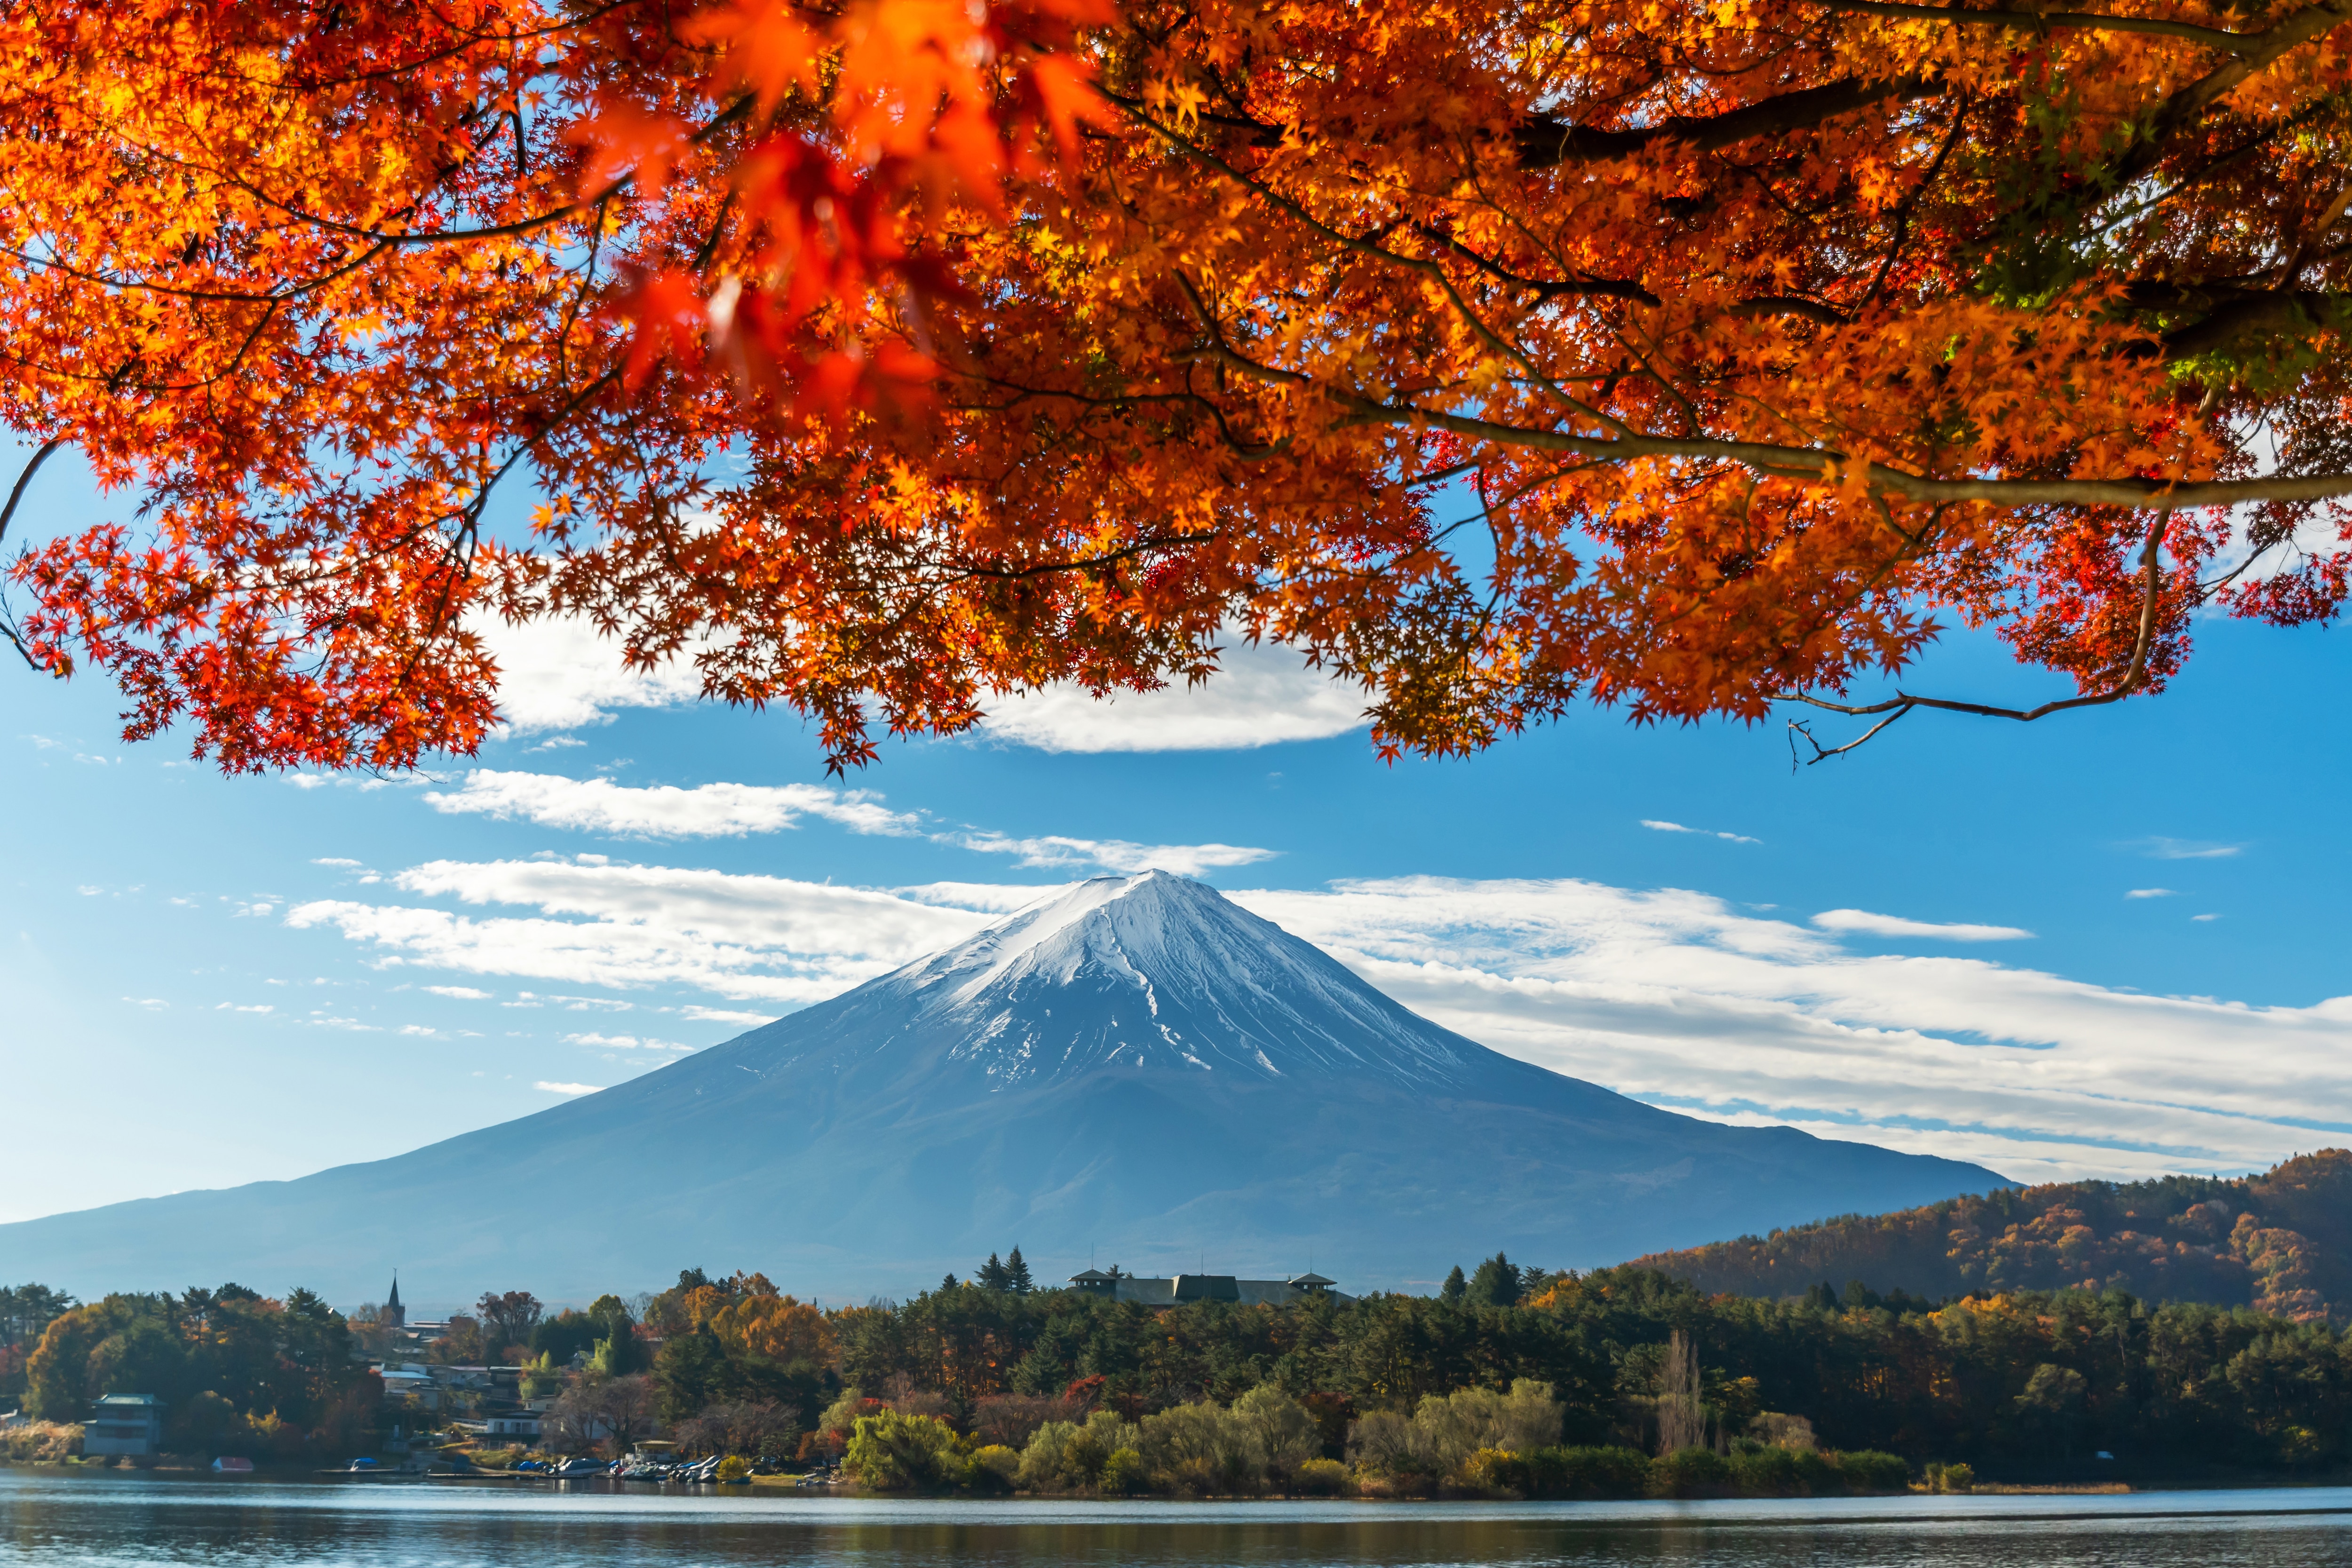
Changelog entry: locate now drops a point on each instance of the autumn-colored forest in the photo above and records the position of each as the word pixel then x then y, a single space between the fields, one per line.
pixel 2280 1242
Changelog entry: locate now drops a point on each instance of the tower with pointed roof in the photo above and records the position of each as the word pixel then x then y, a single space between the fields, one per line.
pixel 392 1315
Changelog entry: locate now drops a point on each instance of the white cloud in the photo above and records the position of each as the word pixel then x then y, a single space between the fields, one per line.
pixel 234 1008
pixel 626 1043
pixel 726 1014
pixel 1703 832
pixel 558 674
pixel 2151 892
pixel 1678 998
pixel 1864 922
pixel 256 911
pixel 462 993
pixel 152 1004
pixel 2204 918
pixel 998 897
pixel 769 939
pixel 1113 854
pixel 568 1088
pixel 556 743
pixel 336 861
pixel 2163 849
pixel 1262 694
pixel 664 811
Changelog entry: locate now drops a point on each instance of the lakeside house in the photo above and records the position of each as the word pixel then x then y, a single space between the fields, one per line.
pixel 1176 1289
pixel 130 1425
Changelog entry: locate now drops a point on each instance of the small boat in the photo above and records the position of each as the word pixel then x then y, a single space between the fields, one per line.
pixel 233 1466
pixel 579 1469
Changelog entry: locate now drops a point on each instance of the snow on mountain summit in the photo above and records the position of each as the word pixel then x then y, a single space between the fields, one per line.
pixel 1155 971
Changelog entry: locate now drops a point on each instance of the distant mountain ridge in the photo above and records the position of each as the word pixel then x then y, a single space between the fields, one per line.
pixel 1137 1072
pixel 2280 1242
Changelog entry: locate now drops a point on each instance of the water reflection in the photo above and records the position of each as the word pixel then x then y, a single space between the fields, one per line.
pixel 61 1519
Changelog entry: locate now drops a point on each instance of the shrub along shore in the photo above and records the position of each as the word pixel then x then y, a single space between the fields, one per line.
pixel 1475 1443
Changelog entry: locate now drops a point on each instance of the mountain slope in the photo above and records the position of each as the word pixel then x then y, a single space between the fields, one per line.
pixel 1137 1072
pixel 2280 1242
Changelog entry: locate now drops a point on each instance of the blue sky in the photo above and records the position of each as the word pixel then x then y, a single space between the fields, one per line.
pixel 2106 944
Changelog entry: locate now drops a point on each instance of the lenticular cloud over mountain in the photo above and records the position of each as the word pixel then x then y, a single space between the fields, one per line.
pixel 1134 1071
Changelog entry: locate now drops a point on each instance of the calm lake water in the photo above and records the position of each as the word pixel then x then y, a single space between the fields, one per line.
pixel 49 1520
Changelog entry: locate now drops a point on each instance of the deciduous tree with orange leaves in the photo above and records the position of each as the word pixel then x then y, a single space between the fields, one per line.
pixel 884 356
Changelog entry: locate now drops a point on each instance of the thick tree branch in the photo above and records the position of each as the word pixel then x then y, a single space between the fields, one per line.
pixel 1546 143
pixel 2039 21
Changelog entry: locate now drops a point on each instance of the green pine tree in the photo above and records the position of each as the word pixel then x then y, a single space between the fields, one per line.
pixel 1455 1286
pixel 992 1275
pixel 1016 1275
pixel 1496 1283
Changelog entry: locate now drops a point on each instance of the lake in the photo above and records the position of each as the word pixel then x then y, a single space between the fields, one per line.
pixel 51 1519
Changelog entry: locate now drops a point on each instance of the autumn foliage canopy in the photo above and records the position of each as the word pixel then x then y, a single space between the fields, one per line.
pixel 880 356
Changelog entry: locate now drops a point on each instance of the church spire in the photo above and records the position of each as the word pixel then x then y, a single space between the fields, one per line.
pixel 394 1314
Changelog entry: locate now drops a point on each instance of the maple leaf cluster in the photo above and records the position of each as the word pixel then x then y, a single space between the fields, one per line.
pixel 887 356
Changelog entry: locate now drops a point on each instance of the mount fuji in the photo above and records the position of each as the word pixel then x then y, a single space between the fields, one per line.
pixel 1136 1072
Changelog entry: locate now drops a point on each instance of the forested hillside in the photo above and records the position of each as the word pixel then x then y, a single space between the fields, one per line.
pixel 2280 1242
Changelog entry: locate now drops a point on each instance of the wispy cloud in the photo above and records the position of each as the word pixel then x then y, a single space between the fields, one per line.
pixel 462 993
pixel 626 1043
pixel 568 1088
pixel 1682 999
pixel 1658 827
pixel 725 1014
pixel 1864 922
pixel 772 939
pixel 336 861
pixel 2162 848
pixel 2151 892
pixel 1263 694
pixel 1113 854
pixel 664 811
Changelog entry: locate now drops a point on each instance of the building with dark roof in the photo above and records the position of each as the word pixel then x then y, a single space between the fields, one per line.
pixel 1179 1288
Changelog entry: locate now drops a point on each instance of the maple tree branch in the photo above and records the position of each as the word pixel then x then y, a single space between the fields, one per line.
pixel 1544 142
pixel 2135 672
pixel 735 111
pixel 1819 464
pixel 2037 21
pixel 23 478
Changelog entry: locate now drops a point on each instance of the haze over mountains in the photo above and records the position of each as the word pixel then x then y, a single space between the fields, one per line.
pixel 1137 1072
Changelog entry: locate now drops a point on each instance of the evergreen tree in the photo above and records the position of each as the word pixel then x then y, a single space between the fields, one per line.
pixel 1455 1286
pixel 1496 1283
pixel 1016 1275
pixel 949 1282
pixel 992 1275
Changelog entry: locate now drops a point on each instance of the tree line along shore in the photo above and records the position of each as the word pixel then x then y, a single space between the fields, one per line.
pixel 1621 1382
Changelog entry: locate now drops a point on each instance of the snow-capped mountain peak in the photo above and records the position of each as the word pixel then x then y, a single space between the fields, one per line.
pixel 1156 971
